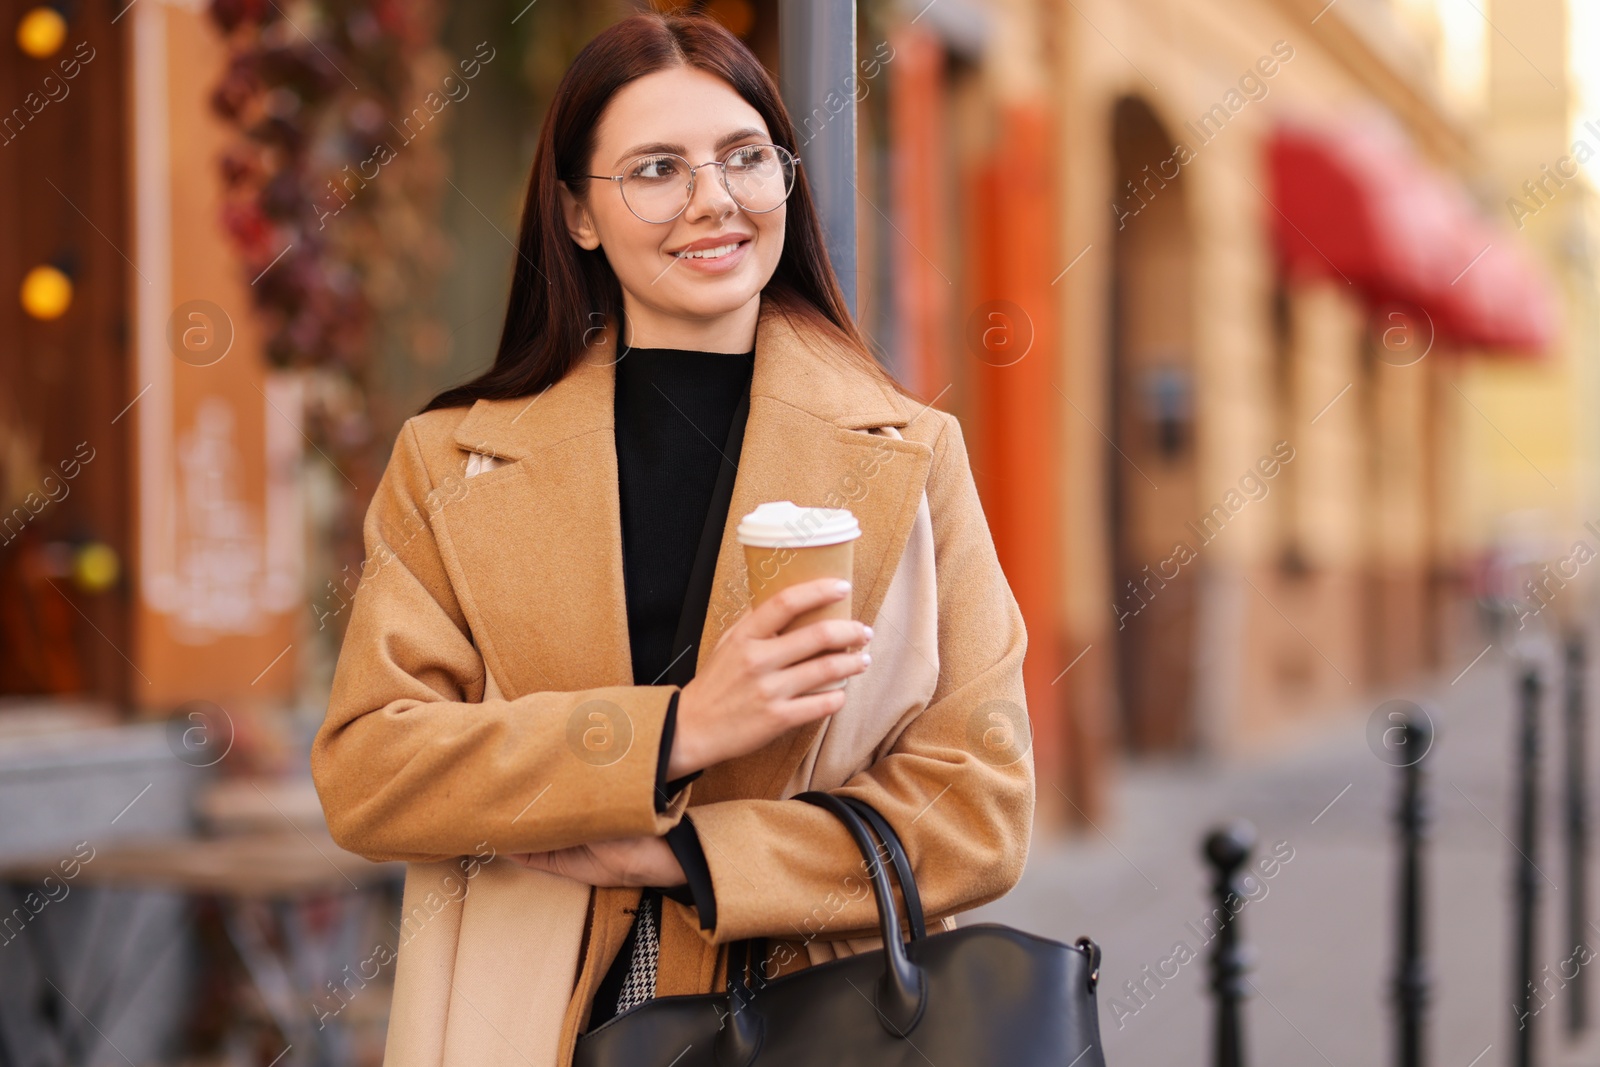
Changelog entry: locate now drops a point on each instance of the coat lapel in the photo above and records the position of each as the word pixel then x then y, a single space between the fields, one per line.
pixel 538 543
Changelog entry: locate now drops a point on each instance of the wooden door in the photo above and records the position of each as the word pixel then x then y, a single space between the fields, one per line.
pixel 64 445
pixel 1156 550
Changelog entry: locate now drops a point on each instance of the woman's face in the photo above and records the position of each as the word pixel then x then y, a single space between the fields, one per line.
pixel 700 117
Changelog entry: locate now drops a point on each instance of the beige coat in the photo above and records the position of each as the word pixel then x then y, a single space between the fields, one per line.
pixel 482 702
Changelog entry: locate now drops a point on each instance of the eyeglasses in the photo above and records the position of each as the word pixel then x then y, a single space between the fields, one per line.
pixel 658 187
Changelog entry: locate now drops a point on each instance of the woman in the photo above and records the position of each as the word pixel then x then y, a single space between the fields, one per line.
pixel 551 661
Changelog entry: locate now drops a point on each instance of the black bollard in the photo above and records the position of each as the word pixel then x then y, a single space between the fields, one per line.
pixel 1227 849
pixel 1577 835
pixel 1411 971
pixel 1527 879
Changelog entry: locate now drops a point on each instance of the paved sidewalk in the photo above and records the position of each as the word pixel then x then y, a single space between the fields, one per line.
pixel 1322 926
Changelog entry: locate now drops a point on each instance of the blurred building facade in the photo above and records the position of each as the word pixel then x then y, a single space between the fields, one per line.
pixel 1535 502
pixel 1287 346
pixel 169 557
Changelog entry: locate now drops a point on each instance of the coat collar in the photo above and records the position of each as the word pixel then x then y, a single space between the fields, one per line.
pixel 790 367
pixel 553 611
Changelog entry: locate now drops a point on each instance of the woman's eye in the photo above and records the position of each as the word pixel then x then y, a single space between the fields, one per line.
pixel 753 156
pixel 655 168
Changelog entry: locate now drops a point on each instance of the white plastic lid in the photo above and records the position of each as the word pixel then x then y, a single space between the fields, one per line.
pixel 783 524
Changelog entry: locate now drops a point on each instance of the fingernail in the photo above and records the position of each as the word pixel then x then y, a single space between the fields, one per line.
pixel 844 586
pixel 866 659
pixel 868 632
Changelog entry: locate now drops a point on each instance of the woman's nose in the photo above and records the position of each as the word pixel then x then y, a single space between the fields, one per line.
pixel 710 197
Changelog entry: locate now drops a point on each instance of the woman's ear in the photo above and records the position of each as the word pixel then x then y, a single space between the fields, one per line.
pixel 579 224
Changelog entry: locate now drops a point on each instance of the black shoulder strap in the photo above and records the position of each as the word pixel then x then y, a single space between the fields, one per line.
pixel 697 598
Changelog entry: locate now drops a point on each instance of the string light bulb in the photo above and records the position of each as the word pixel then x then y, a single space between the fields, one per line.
pixel 95 567
pixel 46 292
pixel 41 32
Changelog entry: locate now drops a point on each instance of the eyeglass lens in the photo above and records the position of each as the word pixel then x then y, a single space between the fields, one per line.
pixel 758 177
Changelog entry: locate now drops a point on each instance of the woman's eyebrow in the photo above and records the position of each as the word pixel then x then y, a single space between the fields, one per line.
pixel 677 149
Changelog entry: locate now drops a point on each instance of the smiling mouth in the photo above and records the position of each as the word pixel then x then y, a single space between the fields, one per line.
pixel 711 253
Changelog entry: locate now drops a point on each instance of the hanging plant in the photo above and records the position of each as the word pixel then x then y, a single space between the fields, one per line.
pixel 332 203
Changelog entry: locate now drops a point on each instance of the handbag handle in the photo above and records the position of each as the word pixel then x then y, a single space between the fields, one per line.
pixel 902 865
pixel 902 991
pixel 740 1038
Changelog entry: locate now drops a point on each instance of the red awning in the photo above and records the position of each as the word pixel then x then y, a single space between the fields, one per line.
pixel 1356 203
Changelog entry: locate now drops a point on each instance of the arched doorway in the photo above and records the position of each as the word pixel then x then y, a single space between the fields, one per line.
pixel 1151 464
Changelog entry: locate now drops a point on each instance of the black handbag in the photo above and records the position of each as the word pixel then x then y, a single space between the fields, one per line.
pixel 982 994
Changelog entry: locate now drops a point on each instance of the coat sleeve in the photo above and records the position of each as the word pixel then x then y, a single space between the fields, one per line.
pixel 412 763
pixel 957 786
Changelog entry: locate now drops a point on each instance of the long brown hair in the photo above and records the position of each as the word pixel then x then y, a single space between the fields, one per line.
pixel 560 291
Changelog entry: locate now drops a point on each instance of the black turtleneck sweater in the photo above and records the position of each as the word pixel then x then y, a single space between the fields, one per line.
pixel 673 411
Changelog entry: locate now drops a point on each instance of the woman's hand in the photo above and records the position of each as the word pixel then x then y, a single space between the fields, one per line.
pixel 627 861
pixel 746 694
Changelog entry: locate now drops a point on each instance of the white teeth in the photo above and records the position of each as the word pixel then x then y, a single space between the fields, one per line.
pixel 709 253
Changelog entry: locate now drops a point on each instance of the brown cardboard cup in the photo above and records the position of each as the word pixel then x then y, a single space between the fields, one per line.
pixel 785 545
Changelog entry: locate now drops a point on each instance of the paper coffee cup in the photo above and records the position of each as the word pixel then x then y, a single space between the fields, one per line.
pixel 785 544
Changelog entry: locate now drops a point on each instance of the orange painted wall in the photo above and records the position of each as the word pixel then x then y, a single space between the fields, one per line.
pixel 1011 340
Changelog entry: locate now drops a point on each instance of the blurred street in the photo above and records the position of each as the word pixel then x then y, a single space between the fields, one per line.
pixel 1323 930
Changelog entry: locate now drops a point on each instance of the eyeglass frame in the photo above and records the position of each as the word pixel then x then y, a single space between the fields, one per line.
pixel 693 177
